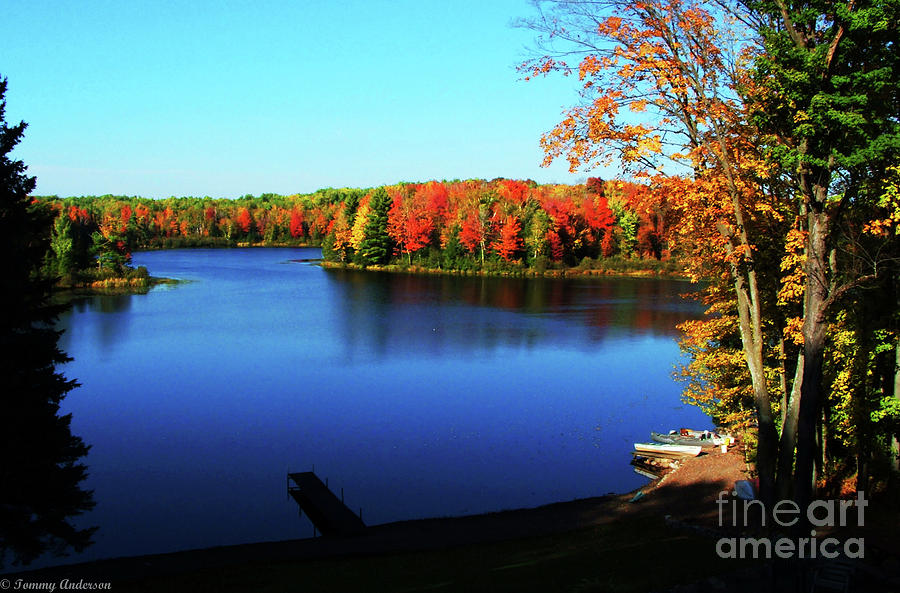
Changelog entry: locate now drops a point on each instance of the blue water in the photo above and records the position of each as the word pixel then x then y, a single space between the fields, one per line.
pixel 419 396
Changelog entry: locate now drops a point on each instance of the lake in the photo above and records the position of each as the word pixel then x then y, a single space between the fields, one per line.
pixel 419 396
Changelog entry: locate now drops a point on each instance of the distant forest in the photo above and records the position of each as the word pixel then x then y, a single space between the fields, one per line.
pixel 493 225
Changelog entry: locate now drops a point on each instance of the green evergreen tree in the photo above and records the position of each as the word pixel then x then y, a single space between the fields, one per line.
pixel 454 252
pixel 376 246
pixel 107 253
pixel 62 244
pixel 40 472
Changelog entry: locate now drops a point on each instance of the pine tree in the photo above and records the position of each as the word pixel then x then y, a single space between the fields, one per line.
pixel 376 244
pixel 40 474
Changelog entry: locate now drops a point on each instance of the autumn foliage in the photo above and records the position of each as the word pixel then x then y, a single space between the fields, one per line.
pixel 769 149
pixel 460 224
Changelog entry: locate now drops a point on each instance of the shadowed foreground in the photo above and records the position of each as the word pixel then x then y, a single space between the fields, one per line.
pixel 597 544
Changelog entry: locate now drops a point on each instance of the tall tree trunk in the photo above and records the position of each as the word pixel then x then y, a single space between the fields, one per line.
pixel 895 443
pixel 862 397
pixel 814 327
pixel 766 448
pixel 782 380
pixel 750 326
pixel 750 322
pixel 788 443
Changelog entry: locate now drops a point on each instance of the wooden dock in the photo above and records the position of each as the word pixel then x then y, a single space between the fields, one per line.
pixel 326 511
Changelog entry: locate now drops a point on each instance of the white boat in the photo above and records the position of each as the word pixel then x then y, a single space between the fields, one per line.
pixel 668 449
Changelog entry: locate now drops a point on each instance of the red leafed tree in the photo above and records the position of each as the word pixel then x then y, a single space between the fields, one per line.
pixel 321 224
pixel 209 213
pixel 562 215
pixel 470 231
pixel 261 217
pixel 436 199
pixel 556 246
pixel 124 217
pixel 142 213
pixel 509 242
pixel 79 214
pixel 473 232
pixel 410 222
pixel 243 220
pixel 166 223
pixel 597 214
pixel 513 191
pixel 608 244
pixel 658 221
pixel 172 222
pixel 296 223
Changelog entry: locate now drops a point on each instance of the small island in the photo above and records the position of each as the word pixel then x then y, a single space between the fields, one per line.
pixel 86 255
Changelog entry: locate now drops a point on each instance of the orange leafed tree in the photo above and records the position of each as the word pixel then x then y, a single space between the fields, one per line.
pixel 411 219
pixel 661 95
pixel 508 241
pixel 343 231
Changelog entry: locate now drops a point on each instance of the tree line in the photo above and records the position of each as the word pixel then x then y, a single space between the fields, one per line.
pixel 472 224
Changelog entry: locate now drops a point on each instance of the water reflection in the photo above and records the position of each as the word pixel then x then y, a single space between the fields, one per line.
pixel 41 490
pixel 113 303
pixel 423 395
pixel 111 322
pixel 439 315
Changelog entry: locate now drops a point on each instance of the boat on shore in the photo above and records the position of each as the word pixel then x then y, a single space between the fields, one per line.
pixel 667 449
pixel 704 439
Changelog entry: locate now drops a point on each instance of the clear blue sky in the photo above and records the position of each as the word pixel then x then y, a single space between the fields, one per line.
pixel 229 98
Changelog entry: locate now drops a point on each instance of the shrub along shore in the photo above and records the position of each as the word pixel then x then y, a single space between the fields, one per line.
pixel 593 268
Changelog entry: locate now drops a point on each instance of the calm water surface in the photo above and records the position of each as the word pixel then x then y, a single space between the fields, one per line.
pixel 419 396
